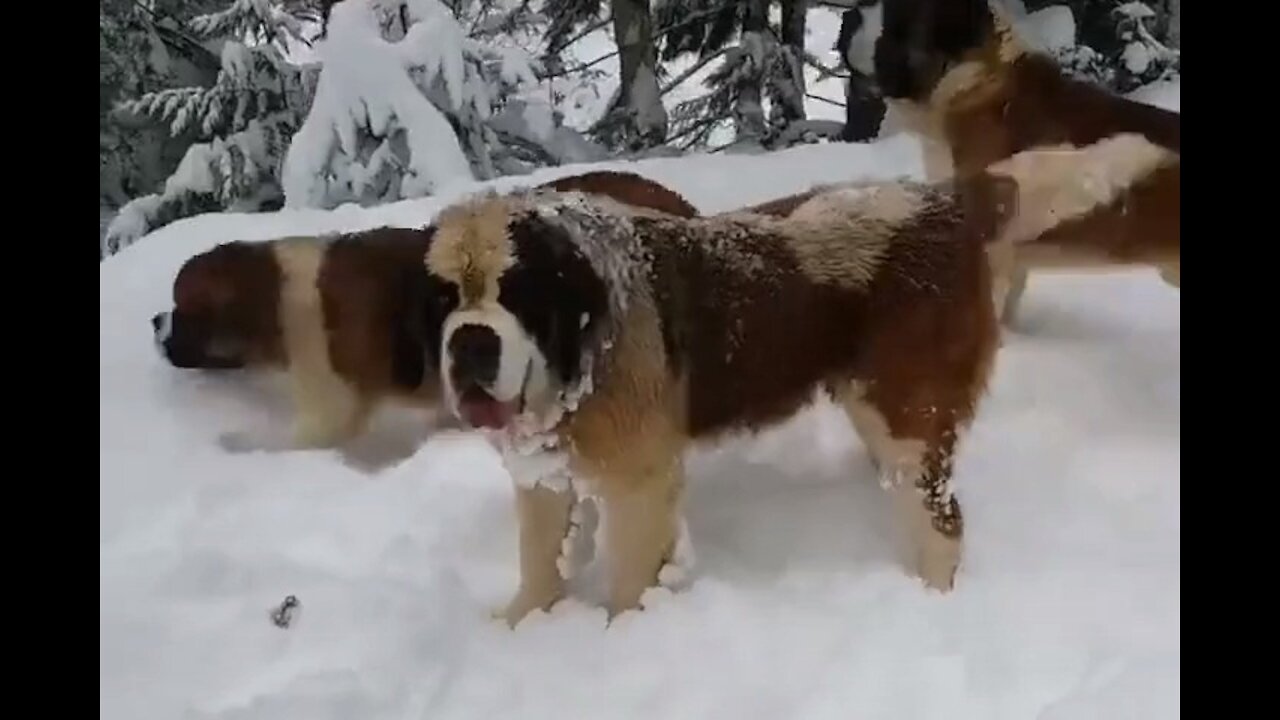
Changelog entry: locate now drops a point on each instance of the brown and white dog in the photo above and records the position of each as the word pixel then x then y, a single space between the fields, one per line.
pixel 597 342
pixel 954 71
pixel 342 314
pixel 336 312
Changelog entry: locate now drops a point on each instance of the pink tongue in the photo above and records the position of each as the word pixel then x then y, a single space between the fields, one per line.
pixel 486 412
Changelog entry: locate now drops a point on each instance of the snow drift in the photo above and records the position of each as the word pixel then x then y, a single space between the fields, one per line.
pixel 1067 605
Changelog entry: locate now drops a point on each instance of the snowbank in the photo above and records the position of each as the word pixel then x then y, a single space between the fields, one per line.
pixel 1068 604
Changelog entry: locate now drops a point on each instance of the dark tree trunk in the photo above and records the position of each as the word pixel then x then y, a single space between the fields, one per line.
pixel 638 96
pixel 748 112
pixel 793 22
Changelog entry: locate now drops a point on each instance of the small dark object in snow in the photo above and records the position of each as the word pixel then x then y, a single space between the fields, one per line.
pixel 282 616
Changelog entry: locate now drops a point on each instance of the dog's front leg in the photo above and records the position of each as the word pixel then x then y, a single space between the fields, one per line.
pixel 1008 279
pixel 327 410
pixel 544 517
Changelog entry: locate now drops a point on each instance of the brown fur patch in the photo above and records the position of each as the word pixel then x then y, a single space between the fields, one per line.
pixel 780 207
pixel 370 290
pixel 752 342
pixel 627 188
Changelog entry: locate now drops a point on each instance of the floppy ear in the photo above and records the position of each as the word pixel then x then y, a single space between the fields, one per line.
pixel 554 292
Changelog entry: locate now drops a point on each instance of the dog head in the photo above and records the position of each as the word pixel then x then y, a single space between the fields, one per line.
pixel 922 39
pixel 223 314
pixel 521 301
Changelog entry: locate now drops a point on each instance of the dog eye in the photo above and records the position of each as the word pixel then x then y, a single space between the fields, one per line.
pixel 446 299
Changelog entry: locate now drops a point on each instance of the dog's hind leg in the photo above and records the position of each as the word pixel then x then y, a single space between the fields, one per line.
pixel 1015 287
pixel 913 451
pixel 1008 280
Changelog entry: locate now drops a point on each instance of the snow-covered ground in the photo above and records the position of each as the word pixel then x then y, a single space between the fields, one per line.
pixel 1067 605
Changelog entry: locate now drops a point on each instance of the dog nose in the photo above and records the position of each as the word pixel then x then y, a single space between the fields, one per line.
pixel 162 326
pixel 475 350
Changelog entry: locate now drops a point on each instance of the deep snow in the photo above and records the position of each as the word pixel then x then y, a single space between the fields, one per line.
pixel 1067 605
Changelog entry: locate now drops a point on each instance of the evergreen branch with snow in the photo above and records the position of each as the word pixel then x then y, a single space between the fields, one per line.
pixel 695 26
pixel 236 173
pixel 271 21
pixel 254 82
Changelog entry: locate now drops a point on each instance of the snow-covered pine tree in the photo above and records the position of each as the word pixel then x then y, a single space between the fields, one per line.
pixel 527 128
pixel 635 118
pixel 1120 44
pixel 142 47
pixel 766 63
pixel 403 90
pixel 244 120
pixel 354 149
pixel 787 87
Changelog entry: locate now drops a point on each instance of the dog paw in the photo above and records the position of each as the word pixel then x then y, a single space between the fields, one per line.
pixel 521 605
pixel 937 564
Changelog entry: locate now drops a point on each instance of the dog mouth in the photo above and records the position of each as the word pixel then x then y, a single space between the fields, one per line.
pixel 203 362
pixel 480 409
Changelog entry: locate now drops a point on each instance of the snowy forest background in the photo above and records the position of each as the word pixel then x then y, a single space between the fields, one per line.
pixel 254 105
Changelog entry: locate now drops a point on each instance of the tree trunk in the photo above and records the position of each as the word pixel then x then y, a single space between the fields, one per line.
pixel 646 124
pixel 793 20
pixel 748 112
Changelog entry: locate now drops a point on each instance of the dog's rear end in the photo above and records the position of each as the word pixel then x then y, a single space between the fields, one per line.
pixel 977 90
pixel 1113 203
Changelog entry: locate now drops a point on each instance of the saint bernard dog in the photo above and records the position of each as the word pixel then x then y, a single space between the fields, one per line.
pixel 342 313
pixel 595 342
pixel 954 71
